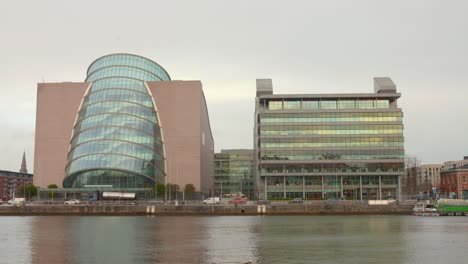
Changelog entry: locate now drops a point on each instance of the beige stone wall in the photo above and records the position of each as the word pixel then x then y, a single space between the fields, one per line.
pixel 57 108
pixel 184 119
pixel 207 149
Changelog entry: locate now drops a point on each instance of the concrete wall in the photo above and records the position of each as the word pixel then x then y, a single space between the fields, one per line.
pixel 184 121
pixel 57 108
pixel 207 149
pixel 208 210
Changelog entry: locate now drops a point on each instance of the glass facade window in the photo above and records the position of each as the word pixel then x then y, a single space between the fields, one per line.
pixel 275 105
pixel 307 104
pixel 117 139
pixel 365 104
pixel 296 104
pixel 234 173
pixel 335 117
pixel 328 105
pixel 346 104
pixel 292 105
pixel 382 104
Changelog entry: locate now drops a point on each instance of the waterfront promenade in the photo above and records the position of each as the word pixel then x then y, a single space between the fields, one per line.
pixel 274 208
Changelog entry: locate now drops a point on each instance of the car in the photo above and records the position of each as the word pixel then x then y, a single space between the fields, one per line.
pixel 296 201
pixel 212 200
pixel 1 201
pixel 263 202
pixel 237 201
pixel 72 201
pixel 17 201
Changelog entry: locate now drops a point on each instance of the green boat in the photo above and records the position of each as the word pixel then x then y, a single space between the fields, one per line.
pixel 452 207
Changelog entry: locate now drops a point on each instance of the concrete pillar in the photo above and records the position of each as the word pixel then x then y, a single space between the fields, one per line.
pixel 284 186
pixel 360 186
pixel 398 191
pixel 303 187
pixel 380 187
pixel 323 189
pixel 266 189
pixel 341 184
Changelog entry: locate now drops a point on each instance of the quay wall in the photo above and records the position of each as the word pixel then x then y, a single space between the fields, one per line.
pixel 208 210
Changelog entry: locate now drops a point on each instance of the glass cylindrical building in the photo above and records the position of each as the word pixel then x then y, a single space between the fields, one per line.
pixel 117 137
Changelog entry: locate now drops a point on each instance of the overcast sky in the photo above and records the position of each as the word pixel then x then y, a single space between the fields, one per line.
pixel 304 46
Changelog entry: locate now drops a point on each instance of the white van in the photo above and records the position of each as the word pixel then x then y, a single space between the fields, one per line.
pixel 212 200
pixel 17 201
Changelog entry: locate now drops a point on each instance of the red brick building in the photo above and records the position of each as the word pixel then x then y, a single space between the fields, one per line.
pixel 11 182
pixel 455 181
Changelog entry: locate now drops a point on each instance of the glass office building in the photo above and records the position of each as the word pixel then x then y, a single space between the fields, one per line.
pixel 321 146
pixel 233 172
pixel 117 137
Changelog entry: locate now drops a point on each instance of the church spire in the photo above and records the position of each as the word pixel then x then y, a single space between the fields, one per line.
pixel 23 164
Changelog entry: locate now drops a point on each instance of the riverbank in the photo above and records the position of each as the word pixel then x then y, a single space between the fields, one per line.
pixel 208 210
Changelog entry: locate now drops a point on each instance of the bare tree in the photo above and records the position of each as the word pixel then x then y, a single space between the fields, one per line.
pixel 411 183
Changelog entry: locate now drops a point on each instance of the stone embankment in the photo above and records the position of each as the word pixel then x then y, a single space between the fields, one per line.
pixel 208 210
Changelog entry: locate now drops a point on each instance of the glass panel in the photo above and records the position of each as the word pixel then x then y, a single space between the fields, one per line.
pixel 347 104
pixel 310 104
pixel 275 105
pixel 365 104
pixel 292 104
pixel 328 104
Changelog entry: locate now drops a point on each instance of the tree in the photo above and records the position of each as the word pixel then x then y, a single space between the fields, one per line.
pixel 189 189
pixel 172 189
pixel 52 186
pixel 411 183
pixel 28 191
pixel 160 190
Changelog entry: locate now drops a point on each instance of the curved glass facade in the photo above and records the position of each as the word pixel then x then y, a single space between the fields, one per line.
pixel 117 138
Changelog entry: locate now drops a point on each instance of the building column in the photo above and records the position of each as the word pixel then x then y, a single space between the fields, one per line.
pixel 323 189
pixel 360 186
pixel 380 187
pixel 398 191
pixel 266 193
pixel 341 184
pixel 284 186
pixel 303 187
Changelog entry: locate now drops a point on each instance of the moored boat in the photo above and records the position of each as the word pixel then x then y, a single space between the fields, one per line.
pixel 425 208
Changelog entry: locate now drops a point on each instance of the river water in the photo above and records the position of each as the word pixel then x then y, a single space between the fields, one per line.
pixel 233 239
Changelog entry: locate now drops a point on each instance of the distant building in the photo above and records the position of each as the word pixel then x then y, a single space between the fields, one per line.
pixel 454 182
pixel 11 182
pixel 320 146
pixel 233 172
pixel 128 126
pixel 428 176
pixel 448 165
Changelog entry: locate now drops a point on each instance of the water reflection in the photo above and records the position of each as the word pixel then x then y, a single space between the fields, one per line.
pixel 14 239
pixel 330 239
pixel 268 239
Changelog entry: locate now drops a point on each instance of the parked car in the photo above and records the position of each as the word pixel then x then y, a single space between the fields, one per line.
pixel 212 200
pixel 296 201
pixel 72 201
pixel 263 202
pixel 17 201
pixel 1 201
pixel 238 201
